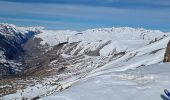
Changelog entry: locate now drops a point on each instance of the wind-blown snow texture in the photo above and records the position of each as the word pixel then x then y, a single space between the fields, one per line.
pixel 128 65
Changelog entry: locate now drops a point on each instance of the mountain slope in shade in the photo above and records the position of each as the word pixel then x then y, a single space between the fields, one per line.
pixel 11 40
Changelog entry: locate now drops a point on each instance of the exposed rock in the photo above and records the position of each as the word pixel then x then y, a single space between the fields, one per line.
pixel 167 53
pixel 97 51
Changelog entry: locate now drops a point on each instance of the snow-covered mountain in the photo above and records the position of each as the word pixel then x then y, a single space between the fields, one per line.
pixel 105 39
pixel 11 40
pixel 101 63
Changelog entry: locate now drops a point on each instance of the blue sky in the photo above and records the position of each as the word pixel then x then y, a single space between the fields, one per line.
pixel 84 14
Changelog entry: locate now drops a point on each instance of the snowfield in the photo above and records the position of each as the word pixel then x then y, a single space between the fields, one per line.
pixel 145 83
pixel 109 64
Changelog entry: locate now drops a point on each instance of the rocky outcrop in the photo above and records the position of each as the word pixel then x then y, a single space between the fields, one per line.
pixel 167 53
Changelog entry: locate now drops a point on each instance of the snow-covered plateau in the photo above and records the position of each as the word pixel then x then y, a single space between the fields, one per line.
pixel 96 64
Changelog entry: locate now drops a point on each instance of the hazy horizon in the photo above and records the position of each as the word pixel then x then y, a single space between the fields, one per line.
pixel 85 14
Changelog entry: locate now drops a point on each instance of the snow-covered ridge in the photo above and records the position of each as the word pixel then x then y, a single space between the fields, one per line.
pixel 121 39
pixel 100 34
pixel 17 34
pixel 19 28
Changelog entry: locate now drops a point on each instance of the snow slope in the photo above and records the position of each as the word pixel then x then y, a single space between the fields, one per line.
pixel 145 83
pixel 120 39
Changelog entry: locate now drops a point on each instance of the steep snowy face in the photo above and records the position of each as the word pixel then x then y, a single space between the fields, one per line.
pixel 106 41
pixel 17 34
pixel 11 40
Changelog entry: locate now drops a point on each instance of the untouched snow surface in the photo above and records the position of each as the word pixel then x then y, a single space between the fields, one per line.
pixel 145 83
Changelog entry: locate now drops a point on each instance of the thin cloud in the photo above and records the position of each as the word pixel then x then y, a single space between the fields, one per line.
pixel 79 16
pixel 138 4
